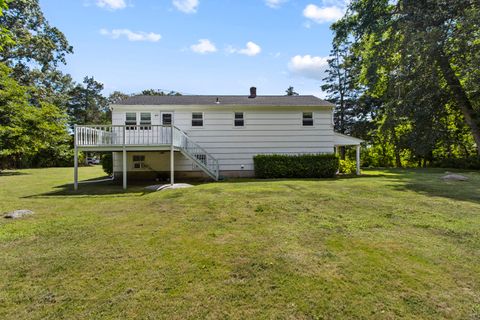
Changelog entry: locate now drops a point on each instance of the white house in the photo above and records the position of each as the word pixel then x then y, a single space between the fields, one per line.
pixel 213 136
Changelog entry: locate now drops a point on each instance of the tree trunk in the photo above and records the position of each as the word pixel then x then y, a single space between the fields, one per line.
pixel 472 118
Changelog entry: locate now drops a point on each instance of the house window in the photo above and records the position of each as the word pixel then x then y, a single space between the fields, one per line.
pixel 197 119
pixel 307 119
pixel 239 119
pixel 131 120
pixel 166 119
pixel 146 120
pixel 138 162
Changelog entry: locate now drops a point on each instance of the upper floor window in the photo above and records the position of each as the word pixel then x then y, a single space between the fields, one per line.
pixel 307 119
pixel 239 119
pixel 197 119
pixel 131 119
pixel 145 120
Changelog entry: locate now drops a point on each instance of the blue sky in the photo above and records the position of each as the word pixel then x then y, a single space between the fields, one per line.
pixel 198 46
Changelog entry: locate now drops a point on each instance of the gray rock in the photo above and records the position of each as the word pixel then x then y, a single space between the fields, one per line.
pixel 454 177
pixel 17 214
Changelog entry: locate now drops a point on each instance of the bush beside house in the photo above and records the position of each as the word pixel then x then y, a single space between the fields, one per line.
pixel 107 163
pixel 347 166
pixel 296 166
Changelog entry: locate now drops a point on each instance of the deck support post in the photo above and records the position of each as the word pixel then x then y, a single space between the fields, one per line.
pixel 75 168
pixel 358 159
pixel 124 173
pixel 172 156
pixel 124 161
pixel 75 158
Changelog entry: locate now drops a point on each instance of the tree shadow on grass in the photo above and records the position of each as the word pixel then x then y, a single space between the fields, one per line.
pixel 429 182
pixel 12 173
pixel 100 188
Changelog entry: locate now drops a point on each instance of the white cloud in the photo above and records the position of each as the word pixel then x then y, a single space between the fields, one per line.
pixel 203 46
pixel 111 4
pixel 131 35
pixel 186 6
pixel 251 49
pixel 275 4
pixel 328 12
pixel 308 66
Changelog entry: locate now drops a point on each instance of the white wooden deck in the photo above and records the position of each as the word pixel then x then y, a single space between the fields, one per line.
pixel 141 138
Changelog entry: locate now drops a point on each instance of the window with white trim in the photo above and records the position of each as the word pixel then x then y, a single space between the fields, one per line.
pixel 239 120
pixel 145 120
pixel 131 120
pixel 307 119
pixel 138 161
pixel 197 119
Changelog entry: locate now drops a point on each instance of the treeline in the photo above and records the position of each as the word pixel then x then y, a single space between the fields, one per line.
pixel 39 105
pixel 405 77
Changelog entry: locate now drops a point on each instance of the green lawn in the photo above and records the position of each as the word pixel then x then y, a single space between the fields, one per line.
pixel 391 244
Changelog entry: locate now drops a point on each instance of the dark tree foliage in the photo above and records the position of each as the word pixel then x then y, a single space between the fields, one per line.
pixel 87 105
pixel 159 92
pixel 417 61
pixel 291 91
pixel 116 97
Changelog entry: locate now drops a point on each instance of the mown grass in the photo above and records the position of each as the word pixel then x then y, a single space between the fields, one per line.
pixel 391 244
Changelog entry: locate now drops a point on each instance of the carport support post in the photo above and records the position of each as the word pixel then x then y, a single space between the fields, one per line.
pixel 75 159
pixel 358 160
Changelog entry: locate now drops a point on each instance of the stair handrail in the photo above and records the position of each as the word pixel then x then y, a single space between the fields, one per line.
pixel 215 170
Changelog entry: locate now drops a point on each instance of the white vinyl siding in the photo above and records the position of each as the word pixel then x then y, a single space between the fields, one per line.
pixel 277 130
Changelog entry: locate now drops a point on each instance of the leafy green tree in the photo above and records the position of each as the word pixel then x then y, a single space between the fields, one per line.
pixel 36 44
pixel 5 38
pixel 291 91
pixel 159 92
pixel 117 96
pixel 25 129
pixel 400 38
pixel 87 105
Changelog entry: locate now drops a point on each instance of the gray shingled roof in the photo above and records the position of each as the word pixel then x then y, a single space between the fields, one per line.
pixel 226 100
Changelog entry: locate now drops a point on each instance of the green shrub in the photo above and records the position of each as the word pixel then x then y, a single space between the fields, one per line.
pixel 107 163
pixel 347 166
pixel 296 166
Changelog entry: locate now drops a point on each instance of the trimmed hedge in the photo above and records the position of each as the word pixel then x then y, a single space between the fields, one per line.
pixel 296 166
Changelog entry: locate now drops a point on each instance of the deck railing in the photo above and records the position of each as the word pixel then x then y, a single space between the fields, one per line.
pixel 110 135
pixel 104 136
